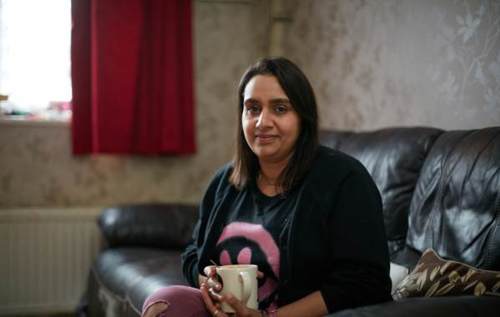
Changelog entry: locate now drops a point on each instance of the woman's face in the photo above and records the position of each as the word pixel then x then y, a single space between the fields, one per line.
pixel 270 124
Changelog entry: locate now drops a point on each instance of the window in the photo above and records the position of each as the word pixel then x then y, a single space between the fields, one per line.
pixel 35 41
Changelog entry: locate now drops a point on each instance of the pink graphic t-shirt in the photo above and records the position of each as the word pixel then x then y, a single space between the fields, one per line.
pixel 253 235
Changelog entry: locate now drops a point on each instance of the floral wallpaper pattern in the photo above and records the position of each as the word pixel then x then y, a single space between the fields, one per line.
pixel 400 62
pixel 472 42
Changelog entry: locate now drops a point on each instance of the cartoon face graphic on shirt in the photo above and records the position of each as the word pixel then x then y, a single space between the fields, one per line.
pixel 245 243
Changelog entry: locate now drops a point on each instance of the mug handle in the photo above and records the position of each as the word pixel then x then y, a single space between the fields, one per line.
pixel 246 284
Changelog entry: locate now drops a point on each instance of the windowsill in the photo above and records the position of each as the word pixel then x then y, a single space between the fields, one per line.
pixel 23 121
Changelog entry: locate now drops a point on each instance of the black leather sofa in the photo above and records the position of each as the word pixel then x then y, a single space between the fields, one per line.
pixel 440 189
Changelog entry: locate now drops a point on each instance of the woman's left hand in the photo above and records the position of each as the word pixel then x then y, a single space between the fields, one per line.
pixel 213 302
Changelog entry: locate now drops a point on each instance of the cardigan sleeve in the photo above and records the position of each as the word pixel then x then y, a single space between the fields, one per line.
pixel 190 255
pixel 190 259
pixel 359 258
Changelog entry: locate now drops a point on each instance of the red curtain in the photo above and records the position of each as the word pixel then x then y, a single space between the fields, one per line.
pixel 132 77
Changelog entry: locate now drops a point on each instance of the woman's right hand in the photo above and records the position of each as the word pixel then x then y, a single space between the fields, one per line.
pixel 210 278
pixel 210 287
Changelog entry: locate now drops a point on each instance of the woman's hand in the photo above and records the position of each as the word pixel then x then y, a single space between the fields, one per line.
pixel 210 278
pixel 210 287
pixel 210 282
pixel 213 303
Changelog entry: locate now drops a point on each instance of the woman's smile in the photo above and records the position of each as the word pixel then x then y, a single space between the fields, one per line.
pixel 265 138
pixel 270 123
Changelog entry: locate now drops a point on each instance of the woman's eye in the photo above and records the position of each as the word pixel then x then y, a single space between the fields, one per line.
pixel 253 109
pixel 280 109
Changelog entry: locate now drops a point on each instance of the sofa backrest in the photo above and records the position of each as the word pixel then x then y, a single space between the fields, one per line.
pixel 456 205
pixel 393 157
pixel 161 225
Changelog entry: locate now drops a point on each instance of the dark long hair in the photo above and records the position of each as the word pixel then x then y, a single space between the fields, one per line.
pixel 301 95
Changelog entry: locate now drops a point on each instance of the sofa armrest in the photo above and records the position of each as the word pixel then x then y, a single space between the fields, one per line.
pixel 429 307
pixel 148 225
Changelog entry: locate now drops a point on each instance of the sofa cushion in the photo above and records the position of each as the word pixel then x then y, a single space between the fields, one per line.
pixel 434 276
pixel 455 209
pixel 393 157
pixel 120 269
pixel 151 225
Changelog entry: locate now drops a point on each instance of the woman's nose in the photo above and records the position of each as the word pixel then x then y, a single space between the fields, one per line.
pixel 264 119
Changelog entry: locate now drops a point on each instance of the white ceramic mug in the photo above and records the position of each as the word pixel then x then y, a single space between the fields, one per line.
pixel 241 281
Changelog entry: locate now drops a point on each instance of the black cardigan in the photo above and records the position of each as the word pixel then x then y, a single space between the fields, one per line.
pixel 336 241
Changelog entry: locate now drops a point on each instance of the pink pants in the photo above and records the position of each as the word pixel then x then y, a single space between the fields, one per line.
pixel 181 300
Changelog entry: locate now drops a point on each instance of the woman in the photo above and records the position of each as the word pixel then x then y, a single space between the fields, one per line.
pixel 309 217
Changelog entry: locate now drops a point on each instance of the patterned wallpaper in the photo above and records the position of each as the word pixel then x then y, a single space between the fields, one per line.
pixel 400 62
pixel 36 165
pixel 372 63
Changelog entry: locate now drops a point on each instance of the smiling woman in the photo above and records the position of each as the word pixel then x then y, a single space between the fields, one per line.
pixel 35 56
pixel 270 124
pixel 309 217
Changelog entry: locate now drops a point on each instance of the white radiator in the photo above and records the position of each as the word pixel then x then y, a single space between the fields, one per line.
pixel 45 256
